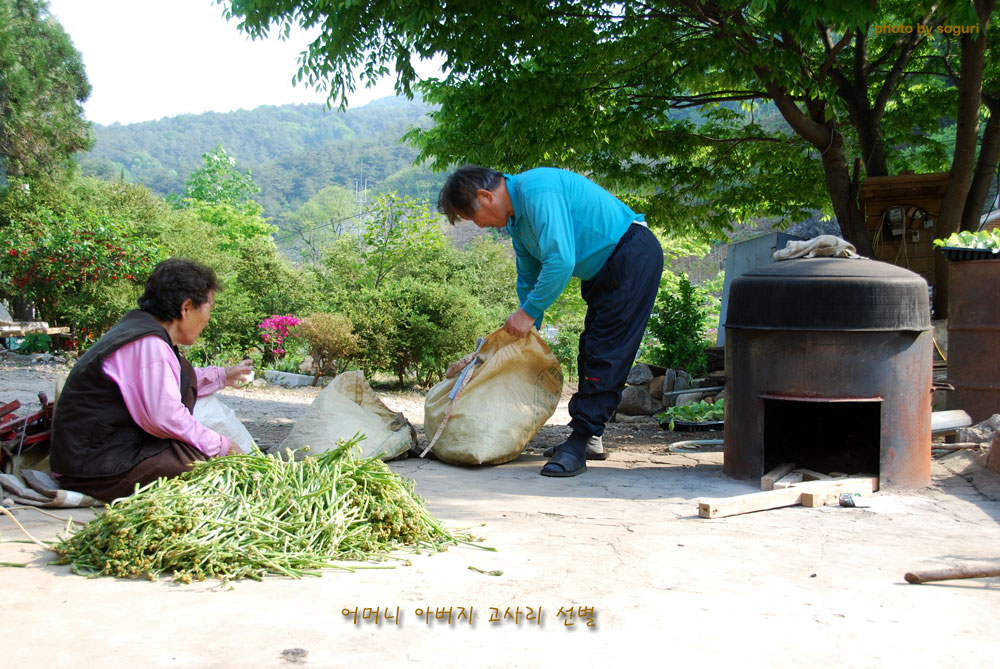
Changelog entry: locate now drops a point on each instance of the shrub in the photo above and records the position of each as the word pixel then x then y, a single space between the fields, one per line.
pixel 332 342
pixel 275 330
pixel 678 326
pixel 80 270
pixel 410 326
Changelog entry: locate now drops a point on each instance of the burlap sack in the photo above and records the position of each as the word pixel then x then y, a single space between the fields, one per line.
pixel 345 407
pixel 507 400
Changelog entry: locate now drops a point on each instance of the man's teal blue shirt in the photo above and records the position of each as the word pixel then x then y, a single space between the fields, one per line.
pixel 564 225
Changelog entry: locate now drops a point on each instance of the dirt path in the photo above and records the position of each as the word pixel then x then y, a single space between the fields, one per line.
pixel 270 411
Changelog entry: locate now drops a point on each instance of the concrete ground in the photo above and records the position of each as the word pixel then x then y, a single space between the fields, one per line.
pixel 793 586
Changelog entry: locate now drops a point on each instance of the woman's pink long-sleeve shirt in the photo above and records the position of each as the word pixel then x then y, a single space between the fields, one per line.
pixel 149 376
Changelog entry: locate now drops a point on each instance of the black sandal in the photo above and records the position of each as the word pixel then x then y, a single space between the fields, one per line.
pixel 564 464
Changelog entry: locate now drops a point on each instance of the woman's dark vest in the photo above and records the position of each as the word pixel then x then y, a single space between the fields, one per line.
pixel 93 434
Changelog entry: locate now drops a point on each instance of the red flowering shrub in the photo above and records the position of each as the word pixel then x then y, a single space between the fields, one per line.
pixel 64 264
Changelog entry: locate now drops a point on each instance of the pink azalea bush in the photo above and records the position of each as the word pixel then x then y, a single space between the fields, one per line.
pixel 275 330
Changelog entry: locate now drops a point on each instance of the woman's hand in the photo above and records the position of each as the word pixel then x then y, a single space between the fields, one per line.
pixel 233 448
pixel 239 373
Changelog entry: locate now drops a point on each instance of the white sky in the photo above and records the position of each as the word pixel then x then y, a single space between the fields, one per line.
pixel 147 59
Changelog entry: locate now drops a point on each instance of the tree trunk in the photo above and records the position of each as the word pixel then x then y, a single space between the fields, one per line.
pixel 844 198
pixel 830 144
pixel 989 154
pixel 966 133
pixel 872 146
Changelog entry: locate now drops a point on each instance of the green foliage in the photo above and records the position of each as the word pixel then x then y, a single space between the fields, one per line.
pixel 233 226
pixel 696 412
pixel 983 239
pixel 678 326
pixel 294 151
pixel 260 283
pixel 220 194
pixel 33 343
pixel 398 230
pixel 788 93
pixel 42 89
pixel 76 268
pixel 219 181
pixel 332 342
pixel 485 269
pixel 423 328
pixel 314 226
pixel 565 343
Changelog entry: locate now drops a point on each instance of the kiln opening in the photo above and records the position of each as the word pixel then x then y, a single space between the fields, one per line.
pixel 822 434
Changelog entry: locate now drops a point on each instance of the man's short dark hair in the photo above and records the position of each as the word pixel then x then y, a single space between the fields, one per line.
pixel 172 282
pixel 457 199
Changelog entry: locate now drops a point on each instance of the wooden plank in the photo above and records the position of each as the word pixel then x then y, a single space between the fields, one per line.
pixel 768 479
pixel 828 497
pixel 774 499
pixel 810 475
pixel 788 480
pixel 950 574
pixel 31 328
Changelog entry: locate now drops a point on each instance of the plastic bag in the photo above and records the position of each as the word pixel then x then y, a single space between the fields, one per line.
pixel 345 407
pixel 511 393
pixel 216 416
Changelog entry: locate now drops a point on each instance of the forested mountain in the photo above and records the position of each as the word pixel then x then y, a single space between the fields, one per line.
pixel 293 151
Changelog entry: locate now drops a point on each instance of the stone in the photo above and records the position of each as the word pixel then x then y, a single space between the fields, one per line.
pixel 307 365
pixel 636 401
pixel 683 381
pixel 290 380
pixel 981 432
pixel 669 380
pixel 639 376
pixel 623 418
pixel 993 460
pixel 689 398
pixel 656 387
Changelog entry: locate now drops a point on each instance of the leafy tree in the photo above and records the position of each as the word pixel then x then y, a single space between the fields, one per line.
pixel 42 89
pixel 262 282
pixel 396 230
pixel 220 194
pixel 432 325
pixel 219 181
pixel 327 215
pixel 485 269
pixel 605 88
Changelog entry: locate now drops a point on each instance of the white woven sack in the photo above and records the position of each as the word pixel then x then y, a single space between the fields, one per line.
pixel 509 397
pixel 344 408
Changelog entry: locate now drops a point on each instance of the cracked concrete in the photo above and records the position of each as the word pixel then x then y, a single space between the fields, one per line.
pixel 622 543
pixel 813 586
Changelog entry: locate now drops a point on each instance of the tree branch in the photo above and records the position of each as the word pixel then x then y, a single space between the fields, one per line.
pixel 718 140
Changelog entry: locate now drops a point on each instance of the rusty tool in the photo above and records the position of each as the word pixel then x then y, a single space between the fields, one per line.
pixel 951 574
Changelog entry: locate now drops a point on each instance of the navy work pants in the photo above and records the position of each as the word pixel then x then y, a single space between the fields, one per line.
pixel 619 300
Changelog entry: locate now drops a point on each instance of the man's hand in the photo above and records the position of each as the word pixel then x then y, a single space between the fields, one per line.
pixel 519 324
pixel 239 373
pixel 457 366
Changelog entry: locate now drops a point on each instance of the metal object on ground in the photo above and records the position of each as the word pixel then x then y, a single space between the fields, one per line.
pixel 829 365
pixel 974 337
